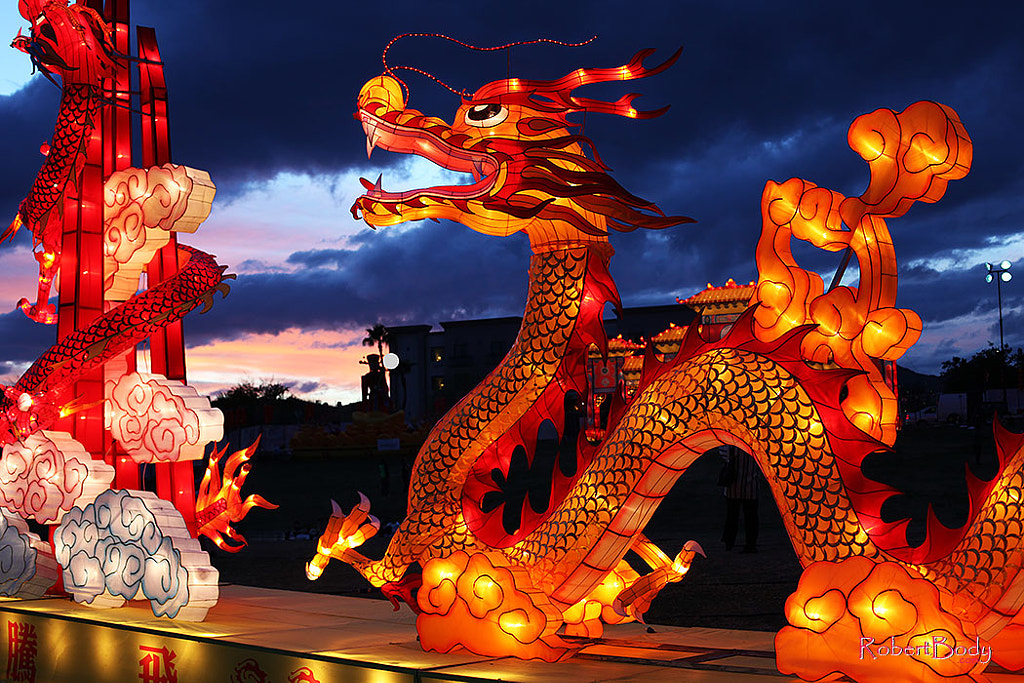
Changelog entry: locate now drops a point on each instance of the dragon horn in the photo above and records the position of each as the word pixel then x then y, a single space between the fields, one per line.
pixel 336 509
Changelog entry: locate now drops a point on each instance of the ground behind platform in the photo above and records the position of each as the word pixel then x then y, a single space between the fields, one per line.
pixel 729 590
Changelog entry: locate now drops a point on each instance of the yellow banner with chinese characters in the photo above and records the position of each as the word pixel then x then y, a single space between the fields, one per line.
pixel 46 647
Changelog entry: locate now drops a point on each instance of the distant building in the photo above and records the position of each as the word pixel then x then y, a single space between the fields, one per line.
pixel 437 368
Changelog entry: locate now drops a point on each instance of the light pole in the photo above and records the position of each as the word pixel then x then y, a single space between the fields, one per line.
pixel 1000 274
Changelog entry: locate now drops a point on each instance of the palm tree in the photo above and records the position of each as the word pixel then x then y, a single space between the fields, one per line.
pixel 377 335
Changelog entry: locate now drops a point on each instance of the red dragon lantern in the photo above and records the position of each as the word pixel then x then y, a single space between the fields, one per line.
pixel 99 222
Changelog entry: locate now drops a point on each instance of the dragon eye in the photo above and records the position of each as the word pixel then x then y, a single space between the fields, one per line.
pixel 486 115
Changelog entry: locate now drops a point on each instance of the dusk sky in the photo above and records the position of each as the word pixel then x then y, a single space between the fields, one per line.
pixel 262 94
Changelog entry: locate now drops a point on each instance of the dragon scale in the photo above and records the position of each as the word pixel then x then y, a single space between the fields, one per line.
pixel 79 107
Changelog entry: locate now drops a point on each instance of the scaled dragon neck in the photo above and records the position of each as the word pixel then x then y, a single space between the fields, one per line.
pixel 557 279
pixel 568 286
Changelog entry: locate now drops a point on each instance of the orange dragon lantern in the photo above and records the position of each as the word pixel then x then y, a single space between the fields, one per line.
pixel 510 544
pixel 79 422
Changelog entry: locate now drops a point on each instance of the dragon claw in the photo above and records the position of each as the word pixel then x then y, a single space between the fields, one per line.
pixel 694 546
pixel 342 535
pixel 682 561
pixel 219 504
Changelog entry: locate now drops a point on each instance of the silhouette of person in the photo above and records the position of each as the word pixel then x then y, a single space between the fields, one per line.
pixel 741 493
pixel 406 472
pixel 385 480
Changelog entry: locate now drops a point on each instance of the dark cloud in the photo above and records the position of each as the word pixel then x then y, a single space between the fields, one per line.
pixel 263 89
pixel 433 273
pixel 320 258
pixel 22 341
pixel 27 119
pixel 300 388
pixel 762 91
pixel 963 293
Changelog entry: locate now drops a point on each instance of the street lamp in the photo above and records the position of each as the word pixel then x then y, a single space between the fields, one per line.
pixel 1000 274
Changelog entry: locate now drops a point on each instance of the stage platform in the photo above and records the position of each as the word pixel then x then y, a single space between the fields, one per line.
pixel 257 635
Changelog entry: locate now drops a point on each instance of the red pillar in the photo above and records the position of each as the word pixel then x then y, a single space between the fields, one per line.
pixel 174 481
pixel 117 156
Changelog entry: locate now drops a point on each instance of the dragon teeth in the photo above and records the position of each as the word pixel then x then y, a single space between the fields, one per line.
pixel 372 136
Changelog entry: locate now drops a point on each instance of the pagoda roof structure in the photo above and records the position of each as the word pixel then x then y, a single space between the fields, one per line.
pixel 728 298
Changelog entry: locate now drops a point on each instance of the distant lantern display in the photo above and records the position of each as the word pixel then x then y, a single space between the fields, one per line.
pixel 519 520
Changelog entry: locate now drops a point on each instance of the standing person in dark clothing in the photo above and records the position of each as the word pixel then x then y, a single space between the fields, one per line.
pixel 741 492
pixel 405 475
pixel 385 479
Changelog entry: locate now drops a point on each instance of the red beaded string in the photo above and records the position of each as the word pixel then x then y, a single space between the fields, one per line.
pixel 391 70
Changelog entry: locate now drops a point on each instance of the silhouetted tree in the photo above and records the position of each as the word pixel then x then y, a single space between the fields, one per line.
pixel 377 336
pixel 982 370
pixel 247 392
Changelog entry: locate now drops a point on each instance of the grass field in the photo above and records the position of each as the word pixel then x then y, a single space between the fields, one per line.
pixel 725 590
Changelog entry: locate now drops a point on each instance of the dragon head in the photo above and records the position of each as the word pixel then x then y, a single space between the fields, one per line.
pixel 530 171
pixel 72 42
